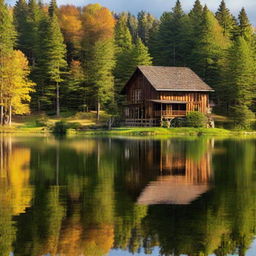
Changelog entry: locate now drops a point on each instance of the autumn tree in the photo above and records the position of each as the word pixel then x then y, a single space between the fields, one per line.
pixel 17 85
pixel 71 26
pixel 7 40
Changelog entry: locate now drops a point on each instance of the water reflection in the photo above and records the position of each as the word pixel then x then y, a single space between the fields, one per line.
pixel 97 197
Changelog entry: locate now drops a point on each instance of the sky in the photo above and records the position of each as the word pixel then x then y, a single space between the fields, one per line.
pixel 157 7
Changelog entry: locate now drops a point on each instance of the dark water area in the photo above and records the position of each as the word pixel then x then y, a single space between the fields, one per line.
pixel 113 196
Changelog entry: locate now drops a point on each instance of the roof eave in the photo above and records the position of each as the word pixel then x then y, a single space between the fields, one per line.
pixel 182 90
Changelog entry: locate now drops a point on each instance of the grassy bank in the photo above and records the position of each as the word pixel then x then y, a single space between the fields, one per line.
pixel 87 125
pixel 155 131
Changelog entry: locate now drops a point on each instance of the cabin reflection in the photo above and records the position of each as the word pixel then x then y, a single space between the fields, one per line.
pixel 170 171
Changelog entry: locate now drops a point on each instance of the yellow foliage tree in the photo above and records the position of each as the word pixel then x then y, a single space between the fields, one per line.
pixel 17 85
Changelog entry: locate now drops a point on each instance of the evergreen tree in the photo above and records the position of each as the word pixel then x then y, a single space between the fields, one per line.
pixel 56 62
pixel 100 74
pixel 196 20
pixel 98 55
pixel 172 39
pixel 32 31
pixel 140 55
pixel 132 23
pixel 245 28
pixel 240 74
pixel 197 10
pixel 123 38
pixel 147 25
pixel 52 8
pixel 21 24
pixel 225 18
pixel 39 75
pixel 123 42
pixel 209 49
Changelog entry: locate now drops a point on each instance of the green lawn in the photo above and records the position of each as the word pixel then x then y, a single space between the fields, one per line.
pixel 90 127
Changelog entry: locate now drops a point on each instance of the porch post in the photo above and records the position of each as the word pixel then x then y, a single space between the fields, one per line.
pixel 161 112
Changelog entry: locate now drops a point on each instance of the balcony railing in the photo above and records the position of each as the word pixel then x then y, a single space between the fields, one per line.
pixel 170 113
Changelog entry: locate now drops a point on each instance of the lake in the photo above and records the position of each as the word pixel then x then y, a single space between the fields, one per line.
pixel 122 197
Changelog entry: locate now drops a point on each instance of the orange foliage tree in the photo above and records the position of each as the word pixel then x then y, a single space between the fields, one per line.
pixel 71 26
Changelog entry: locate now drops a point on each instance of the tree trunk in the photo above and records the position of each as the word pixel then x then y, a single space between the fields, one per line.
pixel 98 110
pixel 1 114
pixel 10 115
pixel 57 100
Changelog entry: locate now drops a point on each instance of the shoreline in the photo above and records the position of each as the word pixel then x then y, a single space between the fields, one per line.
pixel 133 132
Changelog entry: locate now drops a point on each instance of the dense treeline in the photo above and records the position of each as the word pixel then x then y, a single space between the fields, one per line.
pixel 80 58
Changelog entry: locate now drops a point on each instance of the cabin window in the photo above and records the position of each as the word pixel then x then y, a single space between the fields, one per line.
pixel 127 112
pixel 179 107
pixel 157 107
pixel 137 95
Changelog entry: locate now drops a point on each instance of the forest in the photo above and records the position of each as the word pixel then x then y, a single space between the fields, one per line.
pixel 55 59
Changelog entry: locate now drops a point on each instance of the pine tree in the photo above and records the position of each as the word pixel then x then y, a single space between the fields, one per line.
pixel 123 43
pixel 21 24
pixel 226 20
pixel 56 54
pixel 147 25
pixel 241 73
pixel 245 28
pixel 240 79
pixel 7 40
pixel 209 49
pixel 52 8
pixel 123 38
pixel 132 24
pixel 98 55
pixel 172 39
pixel 140 55
pixel 197 10
pixel 101 74
pixel 32 31
pixel 39 74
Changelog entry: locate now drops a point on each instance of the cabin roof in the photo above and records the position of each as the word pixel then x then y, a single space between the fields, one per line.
pixel 171 190
pixel 173 79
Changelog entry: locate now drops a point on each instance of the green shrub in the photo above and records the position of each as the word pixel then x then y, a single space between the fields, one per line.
pixel 179 122
pixel 242 117
pixel 61 128
pixel 42 121
pixel 196 120
pixel 165 124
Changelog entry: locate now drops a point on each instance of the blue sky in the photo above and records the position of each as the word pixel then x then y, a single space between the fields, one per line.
pixel 157 7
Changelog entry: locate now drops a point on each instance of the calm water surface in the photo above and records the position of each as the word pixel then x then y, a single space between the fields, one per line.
pixel 122 197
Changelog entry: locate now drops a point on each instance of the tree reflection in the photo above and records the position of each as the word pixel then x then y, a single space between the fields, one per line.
pixel 84 196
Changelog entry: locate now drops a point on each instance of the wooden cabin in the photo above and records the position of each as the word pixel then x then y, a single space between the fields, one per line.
pixel 154 94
